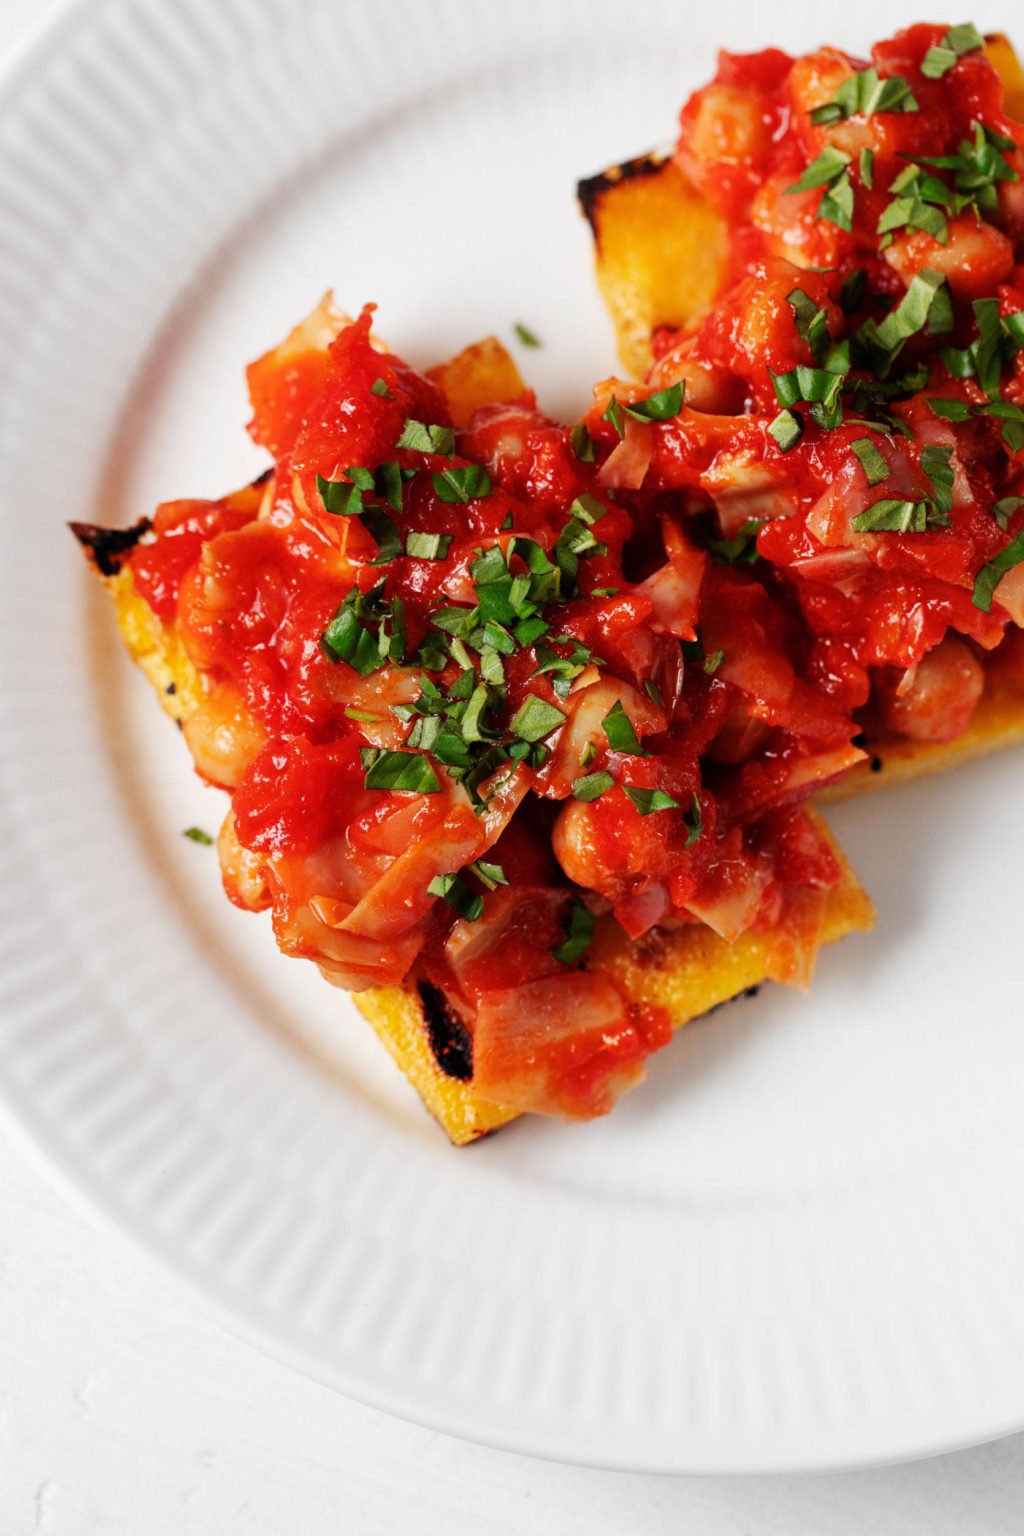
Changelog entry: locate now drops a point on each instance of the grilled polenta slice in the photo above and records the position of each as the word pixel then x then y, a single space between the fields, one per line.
pixel 688 972
pixel 660 251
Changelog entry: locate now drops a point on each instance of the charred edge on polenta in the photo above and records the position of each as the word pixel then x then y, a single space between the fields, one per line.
pixel 450 1041
pixel 591 189
pixel 107 548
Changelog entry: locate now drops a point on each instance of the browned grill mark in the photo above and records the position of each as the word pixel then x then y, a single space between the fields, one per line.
pixel 591 189
pixel 450 1040
pixel 107 547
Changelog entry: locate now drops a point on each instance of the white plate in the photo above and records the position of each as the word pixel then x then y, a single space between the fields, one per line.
pixel 802 1243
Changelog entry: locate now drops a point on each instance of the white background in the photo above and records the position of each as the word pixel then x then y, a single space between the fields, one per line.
pixel 122 1410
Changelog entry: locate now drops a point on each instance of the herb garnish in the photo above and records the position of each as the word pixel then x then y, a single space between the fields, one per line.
pixel 398 771
pixel 526 336
pixel 992 573
pixel 582 444
pixel 864 94
pixel 999 339
pixel 662 405
pixel 1003 510
pixel 742 548
pixel 811 323
pixel 464 483
pixel 468 904
pixel 197 835
pixel 830 170
pixel 536 719
pixel 427 437
pixel 489 875
pixel 647 801
pixel 613 414
pixel 957 41
pixel 819 387
pixel 618 728
pixel 579 930
pixel 367 631
pixel 927 306
pixel 787 429
pixel 871 461
pixel 592 785
pixel 428 546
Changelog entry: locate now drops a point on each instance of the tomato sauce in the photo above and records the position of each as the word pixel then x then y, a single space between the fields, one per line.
pixel 845 183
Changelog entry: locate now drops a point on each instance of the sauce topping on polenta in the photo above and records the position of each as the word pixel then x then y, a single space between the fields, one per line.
pixel 468 697
pixel 855 398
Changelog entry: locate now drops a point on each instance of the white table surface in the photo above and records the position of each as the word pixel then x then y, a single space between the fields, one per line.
pixel 123 1410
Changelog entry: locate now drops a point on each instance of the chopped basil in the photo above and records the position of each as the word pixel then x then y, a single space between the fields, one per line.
pixel 742 548
pixel 592 785
pixel 1003 510
pixel 852 290
pixel 582 444
pixel 399 771
pixel 936 465
pixel 871 461
pixel 579 930
pixel 663 405
pixel 919 203
pixel 428 546
pixel 490 875
pixel 536 719
pixel 893 516
pixel 713 662
pixel 463 484
pixel 526 336
pixel 197 835
pixel 383 531
pixel 1012 417
pixel 564 668
pixel 344 498
pixel 468 904
pixel 366 631
pixel 364 716
pixel 787 429
pixel 836 204
pixel 992 573
pixel 926 305
pixel 977 167
pixel 618 728
pixel 811 323
pixel 822 171
pixel 957 41
pixel 388 482
pixel 996 343
pixel 380 387
pixel 819 387
pixel 427 437
pixel 530 630
pixel 588 508
pixel 949 408
pixel 867 167
pixel 654 693
pixel 694 820
pixel 647 801
pixel 864 94
pixel 613 413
